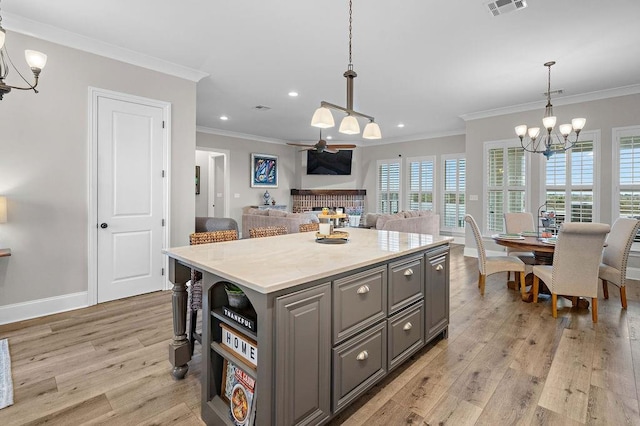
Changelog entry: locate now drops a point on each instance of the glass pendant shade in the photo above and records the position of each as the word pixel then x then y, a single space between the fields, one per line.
pixel 549 122
pixel 534 132
pixel 349 126
pixel 322 118
pixel 578 123
pixel 2 36
pixel 35 59
pixel 565 129
pixel 521 130
pixel 372 131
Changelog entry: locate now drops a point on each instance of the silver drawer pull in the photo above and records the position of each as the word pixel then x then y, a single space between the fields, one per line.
pixel 363 289
pixel 408 326
pixel 408 272
pixel 362 356
pixel 439 268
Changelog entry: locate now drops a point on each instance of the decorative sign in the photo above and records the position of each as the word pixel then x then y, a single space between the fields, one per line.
pixel 246 348
pixel 240 319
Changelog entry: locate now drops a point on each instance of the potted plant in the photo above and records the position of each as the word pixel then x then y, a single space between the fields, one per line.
pixel 237 298
pixel 354 215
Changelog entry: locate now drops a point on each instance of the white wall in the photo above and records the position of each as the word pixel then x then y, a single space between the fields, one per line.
pixel 44 167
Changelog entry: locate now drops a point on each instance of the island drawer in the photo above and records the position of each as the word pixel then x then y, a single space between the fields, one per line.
pixel 406 282
pixel 360 300
pixel 406 334
pixel 357 364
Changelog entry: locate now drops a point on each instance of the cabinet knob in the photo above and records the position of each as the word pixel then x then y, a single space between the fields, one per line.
pixel 363 289
pixel 408 326
pixel 362 356
pixel 408 272
pixel 439 268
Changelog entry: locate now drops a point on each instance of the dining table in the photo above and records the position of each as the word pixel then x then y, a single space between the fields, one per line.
pixel 542 249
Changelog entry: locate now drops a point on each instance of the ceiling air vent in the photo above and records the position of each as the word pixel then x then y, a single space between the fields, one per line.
pixel 500 7
pixel 262 108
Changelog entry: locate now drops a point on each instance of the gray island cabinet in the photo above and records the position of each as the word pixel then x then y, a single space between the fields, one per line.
pixel 331 319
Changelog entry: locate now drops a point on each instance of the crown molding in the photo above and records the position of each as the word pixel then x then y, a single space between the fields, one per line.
pixel 220 132
pixel 565 100
pixel 56 35
pixel 413 138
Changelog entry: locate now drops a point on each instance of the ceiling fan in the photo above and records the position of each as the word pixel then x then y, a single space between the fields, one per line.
pixel 321 146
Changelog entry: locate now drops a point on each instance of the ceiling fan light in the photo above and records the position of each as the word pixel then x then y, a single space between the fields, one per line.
pixel 35 59
pixel 322 118
pixel 371 131
pixel 349 125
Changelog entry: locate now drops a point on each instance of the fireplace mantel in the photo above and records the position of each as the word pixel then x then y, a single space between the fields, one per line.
pixel 328 192
pixel 310 199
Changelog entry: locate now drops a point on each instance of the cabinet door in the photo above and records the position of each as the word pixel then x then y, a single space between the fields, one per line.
pixel 437 291
pixel 303 356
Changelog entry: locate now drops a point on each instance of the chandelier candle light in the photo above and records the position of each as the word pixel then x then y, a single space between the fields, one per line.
pixel 36 61
pixel 551 142
pixel 323 118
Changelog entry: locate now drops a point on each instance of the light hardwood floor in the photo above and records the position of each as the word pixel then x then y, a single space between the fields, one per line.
pixel 505 362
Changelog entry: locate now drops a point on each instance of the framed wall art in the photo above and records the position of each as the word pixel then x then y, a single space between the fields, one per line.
pixel 264 171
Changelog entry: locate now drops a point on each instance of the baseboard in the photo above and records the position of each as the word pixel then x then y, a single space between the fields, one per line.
pixel 38 308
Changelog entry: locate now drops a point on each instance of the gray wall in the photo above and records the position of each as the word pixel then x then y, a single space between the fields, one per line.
pixel 602 115
pixel 241 192
pixel 44 165
pixel 436 146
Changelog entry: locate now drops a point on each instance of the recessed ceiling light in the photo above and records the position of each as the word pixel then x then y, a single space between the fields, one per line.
pixel 329 137
pixel 400 124
pixel 224 118
pixel 293 94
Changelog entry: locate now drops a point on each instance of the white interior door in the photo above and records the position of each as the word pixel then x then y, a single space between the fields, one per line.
pixel 211 170
pixel 129 198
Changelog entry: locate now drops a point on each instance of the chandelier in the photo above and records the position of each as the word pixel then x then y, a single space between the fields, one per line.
pixel 549 142
pixel 36 61
pixel 323 118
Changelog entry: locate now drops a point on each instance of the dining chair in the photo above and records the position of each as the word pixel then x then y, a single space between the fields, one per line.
pixel 195 293
pixel 615 255
pixel 269 231
pixel 576 260
pixel 309 227
pixel 515 223
pixel 488 265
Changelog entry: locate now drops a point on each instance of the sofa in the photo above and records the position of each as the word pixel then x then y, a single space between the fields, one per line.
pixel 256 218
pixel 208 224
pixel 415 221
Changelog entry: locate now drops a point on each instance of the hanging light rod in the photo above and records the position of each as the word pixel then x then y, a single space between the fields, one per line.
pixel 551 142
pixel 323 118
pixel 36 61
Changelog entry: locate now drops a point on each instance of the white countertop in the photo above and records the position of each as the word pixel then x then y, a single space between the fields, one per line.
pixel 276 263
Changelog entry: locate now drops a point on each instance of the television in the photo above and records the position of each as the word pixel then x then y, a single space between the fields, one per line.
pixel 327 163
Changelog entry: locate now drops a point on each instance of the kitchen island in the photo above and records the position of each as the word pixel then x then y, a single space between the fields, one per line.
pixel 331 319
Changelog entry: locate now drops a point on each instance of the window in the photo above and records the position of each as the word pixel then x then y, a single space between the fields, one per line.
pixel 389 193
pixel 626 173
pixel 453 209
pixel 570 181
pixel 506 183
pixel 420 183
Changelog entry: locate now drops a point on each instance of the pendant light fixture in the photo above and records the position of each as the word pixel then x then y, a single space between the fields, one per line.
pixel 323 118
pixel 550 142
pixel 36 61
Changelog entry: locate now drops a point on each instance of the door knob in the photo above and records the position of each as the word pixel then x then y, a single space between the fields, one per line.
pixel 103 225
